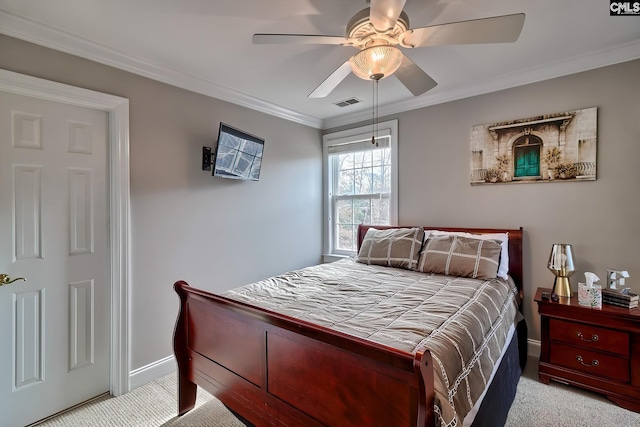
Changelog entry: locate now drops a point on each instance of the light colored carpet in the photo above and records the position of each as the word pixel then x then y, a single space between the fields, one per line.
pixel 154 405
pixel 559 405
pixel 151 405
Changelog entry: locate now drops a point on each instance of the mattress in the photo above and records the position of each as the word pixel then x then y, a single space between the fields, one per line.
pixel 464 323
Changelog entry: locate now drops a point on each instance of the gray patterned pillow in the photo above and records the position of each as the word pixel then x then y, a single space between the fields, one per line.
pixel 460 256
pixel 393 247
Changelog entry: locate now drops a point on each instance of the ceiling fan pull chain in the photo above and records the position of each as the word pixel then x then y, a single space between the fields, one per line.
pixel 373 112
pixel 376 106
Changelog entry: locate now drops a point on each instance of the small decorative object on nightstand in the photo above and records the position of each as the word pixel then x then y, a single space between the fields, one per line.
pixel 615 279
pixel 596 349
pixel 561 264
pixel 590 294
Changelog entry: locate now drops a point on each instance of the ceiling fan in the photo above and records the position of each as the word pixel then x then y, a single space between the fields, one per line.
pixel 378 30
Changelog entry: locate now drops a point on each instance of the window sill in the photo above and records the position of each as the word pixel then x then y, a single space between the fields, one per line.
pixel 333 257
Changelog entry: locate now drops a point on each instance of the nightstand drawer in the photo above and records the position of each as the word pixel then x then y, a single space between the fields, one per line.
pixel 590 362
pixel 591 337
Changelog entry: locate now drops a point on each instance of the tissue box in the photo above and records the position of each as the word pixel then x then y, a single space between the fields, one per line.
pixel 590 295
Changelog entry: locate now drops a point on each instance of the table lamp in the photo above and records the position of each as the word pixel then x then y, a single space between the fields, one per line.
pixel 561 264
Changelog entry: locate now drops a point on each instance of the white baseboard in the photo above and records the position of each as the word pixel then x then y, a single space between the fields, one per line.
pixel 533 348
pixel 151 372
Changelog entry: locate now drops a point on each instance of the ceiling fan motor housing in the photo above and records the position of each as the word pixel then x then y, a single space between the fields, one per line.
pixel 362 33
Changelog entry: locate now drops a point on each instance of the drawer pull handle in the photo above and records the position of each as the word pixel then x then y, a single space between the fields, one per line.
pixel 594 337
pixel 581 360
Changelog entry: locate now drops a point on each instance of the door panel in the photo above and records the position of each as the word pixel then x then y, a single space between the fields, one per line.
pixel 54 350
pixel 81 324
pixel 28 364
pixel 527 161
pixel 27 212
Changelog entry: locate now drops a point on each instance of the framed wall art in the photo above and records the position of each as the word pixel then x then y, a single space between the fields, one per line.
pixel 550 148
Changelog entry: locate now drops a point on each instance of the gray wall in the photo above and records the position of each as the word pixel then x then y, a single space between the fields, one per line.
pixel 600 218
pixel 214 233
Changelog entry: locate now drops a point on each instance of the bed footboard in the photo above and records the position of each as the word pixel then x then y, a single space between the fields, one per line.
pixel 275 370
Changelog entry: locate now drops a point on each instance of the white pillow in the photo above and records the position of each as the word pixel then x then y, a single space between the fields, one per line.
pixel 503 268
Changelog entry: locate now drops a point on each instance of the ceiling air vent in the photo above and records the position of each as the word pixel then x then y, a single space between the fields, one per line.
pixel 348 102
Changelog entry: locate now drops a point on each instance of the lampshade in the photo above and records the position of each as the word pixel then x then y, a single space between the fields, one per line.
pixel 376 62
pixel 561 264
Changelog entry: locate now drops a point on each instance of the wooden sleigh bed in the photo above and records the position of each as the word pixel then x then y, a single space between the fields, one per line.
pixel 272 369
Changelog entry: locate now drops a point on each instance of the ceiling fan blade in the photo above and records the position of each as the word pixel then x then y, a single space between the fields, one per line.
pixel 497 29
pixel 297 39
pixel 385 13
pixel 332 81
pixel 414 79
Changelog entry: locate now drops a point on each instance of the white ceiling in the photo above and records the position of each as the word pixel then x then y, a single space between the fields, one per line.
pixel 206 46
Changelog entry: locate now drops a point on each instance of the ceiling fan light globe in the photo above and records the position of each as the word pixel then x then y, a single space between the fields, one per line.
pixel 376 61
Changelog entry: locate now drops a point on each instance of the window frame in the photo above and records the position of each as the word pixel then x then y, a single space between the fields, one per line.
pixel 349 136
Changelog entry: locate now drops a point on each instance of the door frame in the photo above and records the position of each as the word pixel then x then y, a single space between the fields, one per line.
pixel 117 109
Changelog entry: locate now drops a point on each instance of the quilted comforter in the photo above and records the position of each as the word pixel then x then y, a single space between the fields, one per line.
pixel 463 322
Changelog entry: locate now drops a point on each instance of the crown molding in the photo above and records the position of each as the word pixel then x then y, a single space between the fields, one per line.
pixel 31 31
pixel 575 64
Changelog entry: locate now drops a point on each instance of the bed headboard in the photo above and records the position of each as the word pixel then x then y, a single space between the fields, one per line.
pixel 515 244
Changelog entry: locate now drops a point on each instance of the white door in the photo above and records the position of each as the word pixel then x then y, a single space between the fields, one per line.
pixel 54 333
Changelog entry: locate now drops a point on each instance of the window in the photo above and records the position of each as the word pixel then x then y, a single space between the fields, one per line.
pixel 360 184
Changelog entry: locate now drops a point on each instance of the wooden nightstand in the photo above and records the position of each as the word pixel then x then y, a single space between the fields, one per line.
pixel 596 349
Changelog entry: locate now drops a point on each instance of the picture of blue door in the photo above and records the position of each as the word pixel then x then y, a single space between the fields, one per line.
pixel 526 154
